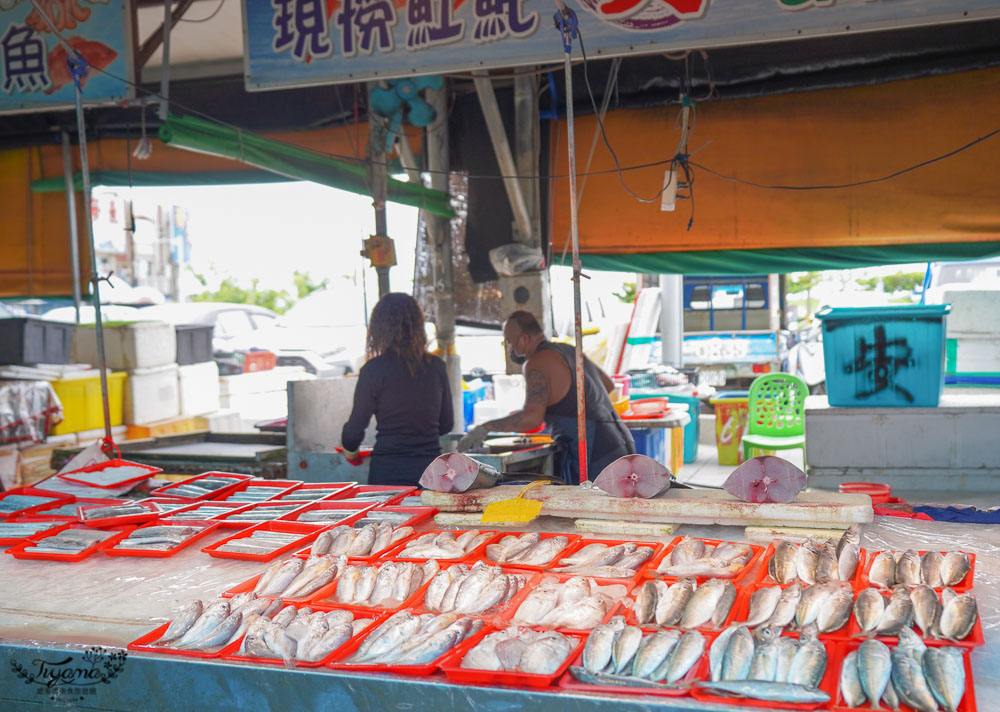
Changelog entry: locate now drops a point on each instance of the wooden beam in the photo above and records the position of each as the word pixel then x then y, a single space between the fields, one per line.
pixel 154 41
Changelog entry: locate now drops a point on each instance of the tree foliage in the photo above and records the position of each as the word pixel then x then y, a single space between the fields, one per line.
pixel 627 293
pixel 899 282
pixel 804 282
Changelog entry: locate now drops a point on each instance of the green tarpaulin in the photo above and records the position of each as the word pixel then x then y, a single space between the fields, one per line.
pixel 802 259
pixel 202 136
pixel 145 179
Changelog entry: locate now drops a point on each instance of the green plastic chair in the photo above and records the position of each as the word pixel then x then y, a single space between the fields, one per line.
pixel 776 418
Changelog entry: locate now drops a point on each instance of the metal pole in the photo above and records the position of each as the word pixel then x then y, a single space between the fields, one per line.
pixel 672 320
pixel 74 236
pixel 378 177
pixel 165 65
pixel 581 414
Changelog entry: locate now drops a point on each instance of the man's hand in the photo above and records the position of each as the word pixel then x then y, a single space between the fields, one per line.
pixel 353 457
pixel 473 440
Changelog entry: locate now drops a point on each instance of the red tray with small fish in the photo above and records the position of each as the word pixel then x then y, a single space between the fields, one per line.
pixel 145 643
pixel 206 529
pixel 337 661
pixel 763 577
pixel 241 507
pixel 583 542
pixel 739 604
pixel 54 527
pixel 367 489
pixel 18 552
pixel 231 651
pixel 59 499
pixel 743 612
pixel 327 597
pixel 90 475
pixel 649 571
pixel 546 577
pixel 251 583
pixel 497 614
pixel 76 502
pixel 837 703
pixel 151 514
pixel 350 510
pixel 568 682
pixel 964 585
pixel 470 557
pixel 572 539
pixel 280 487
pixel 828 684
pixel 374 557
pixel 224 523
pixel 417 514
pixel 170 490
pixel 308 533
pixel 338 486
pixel 452 665
pixel 974 639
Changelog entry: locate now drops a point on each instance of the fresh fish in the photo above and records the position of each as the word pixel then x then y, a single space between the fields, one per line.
pixel 782 566
pixel 837 611
pixel 612 572
pixel 762 605
pixel 958 617
pixel 533 609
pixel 347 584
pixel 280 578
pixel 724 605
pixel 584 555
pixel 889 698
pixel 365 585
pixel 211 617
pixel 868 609
pixel 809 662
pixel 541 553
pixel 610 679
pixel 218 636
pixel 687 549
pixel 954 568
pixel 653 651
pixel 874 668
pixel 514 547
pixel 768 691
pixel 438 586
pixel 708 567
pixel 685 654
pixel 912 644
pixel 787 648
pixel 636 559
pixel 898 614
pixel 645 603
pixel 717 653
pixel 930 569
pixel 599 647
pixel 788 603
pixel 702 604
pixel 363 540
pixel 739 655
pixel 765 662
pixel 910 684
pixel 812 601
pixel 945 673
pixel 908 568
pixel 602 557
pixel 850 681
pixel 882 573
pixel 182 623
pixel 545 655
pixel 848 550
pixel 807 561
pixel 926 609
pixel 672 600
pixel 625 647
pixel 828 567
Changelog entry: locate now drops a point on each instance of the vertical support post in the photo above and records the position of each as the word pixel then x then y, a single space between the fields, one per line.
pixel 672 319
pixel 377 178
pixel 439 237
pixel 74 236
pixel 165 65
pixel 527 137
pixel 774 302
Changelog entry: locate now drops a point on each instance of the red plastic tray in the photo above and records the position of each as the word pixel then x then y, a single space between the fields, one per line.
pixel 54 528
pixel 763 577
pixel 59 497
pixel 568 682
pixel 470 557
pixel 80 476
pixel 152 513
pixel 419 514
pixel 739 604
pixel 155 553
pixel 375 557
pixel 351 647
pixel 974 639
pixel 572 540
pixel 246 507
pixel 968 703
pixel 224 523
pixel 828 684
pixel 166 491
pixel 350 510
pixel 280 487
pixel 629 585
pixel 308 532
pixel 145 642
pixel 585 541
pixel 649 571
pixel 78 501
pixel 18 552
pixel 743 605
pixel 361 489
pixel 321 485
pixel 326 597
pixel 498 614
pixel 962 587
pixel 451 666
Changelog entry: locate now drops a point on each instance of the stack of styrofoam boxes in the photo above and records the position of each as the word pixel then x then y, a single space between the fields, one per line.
pixel 197 373
pixel 974 324
pixel 260 395
pixel 147 350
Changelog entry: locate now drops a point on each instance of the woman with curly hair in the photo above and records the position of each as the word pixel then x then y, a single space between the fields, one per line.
pixel 407 391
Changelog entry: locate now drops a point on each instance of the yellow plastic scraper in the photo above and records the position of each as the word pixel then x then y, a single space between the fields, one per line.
pixel 514 510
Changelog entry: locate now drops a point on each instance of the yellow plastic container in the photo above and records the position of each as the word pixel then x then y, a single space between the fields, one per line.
pixel 676 449
pixel 731 415
pixel 81 402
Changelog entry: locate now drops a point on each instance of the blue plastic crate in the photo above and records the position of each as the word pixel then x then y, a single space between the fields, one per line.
pixel 651 442
pixel 884 356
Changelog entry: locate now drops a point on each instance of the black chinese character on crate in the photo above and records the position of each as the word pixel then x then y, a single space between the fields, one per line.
pixel 878 364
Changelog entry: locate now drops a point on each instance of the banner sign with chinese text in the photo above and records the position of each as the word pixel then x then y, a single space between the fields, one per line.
pixel 305 42
pixel 34 75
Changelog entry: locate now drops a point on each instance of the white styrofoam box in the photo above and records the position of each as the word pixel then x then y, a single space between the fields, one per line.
pixel 198 386
pixel 259 406
pixel 151 394
pixel 88 437
pixel 973 310
pixel 144 344
pixel 509 392
pixel 221 421
pixel 977 354
pixel 485 410
pixel 262 381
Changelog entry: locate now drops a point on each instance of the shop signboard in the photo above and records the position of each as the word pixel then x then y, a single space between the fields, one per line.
pixel 34 75
pixel 309 42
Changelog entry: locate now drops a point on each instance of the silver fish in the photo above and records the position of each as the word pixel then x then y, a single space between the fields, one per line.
pixel 787 648
pixel 912 644
pixel 882 572
pixel 541 553
pixel 280 578
pixel 220 635
pixel 702 604
pixel 926 608
pixel 767 691
pixel 739 655
pixel 908 568
pixel 958 617
pixel 182 623
pixel 874 668
pixel 334 637
pixel 762 605
pixel 898 614
pixel 625 647
pixel 724 605
pixel 848 550
pixel 607 678
pixel 636 559
pixel 954 568
pixel 850 681
pixel 809 663
pixel 812 601
pixel 828 567
pixel 945 673
pixel 788 603
pixel 807 561
pixel 717 653
pixel 764 665
pixel 910 684
pixel 645 603
pixel 868 609
pixel 782 566
pixel 211 617
pixel 685 654
pixel 837 611
pixel 930 569
pixel 653 651
pixel 600 644
pixel 687 549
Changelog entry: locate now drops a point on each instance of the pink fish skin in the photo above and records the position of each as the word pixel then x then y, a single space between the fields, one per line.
pixel 634 476
pixel 766 479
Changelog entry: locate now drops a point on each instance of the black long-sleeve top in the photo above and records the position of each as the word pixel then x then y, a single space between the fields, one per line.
pixel 412 410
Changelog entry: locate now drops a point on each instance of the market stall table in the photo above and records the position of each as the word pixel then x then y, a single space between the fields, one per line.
pixel 52 612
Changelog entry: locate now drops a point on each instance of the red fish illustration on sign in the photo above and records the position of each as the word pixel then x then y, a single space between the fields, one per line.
pixel 98 56
pixel 627 8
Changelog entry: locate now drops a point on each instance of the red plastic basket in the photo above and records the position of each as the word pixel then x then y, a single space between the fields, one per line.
pixel 962 587
pixel 375 556
pixel 54 527
pixel 362 489
pixel 151 514
pixel 650 570
pixel 763 577
pixel 879 493
pixel 974 639
pixel 584 541
pixel 572 539
pixel 87 475
pixel 452 668
pixel 496 615
pixel 58 499
pixel 170 490
pixel 156 553
pixel 562 578
pixel 743 606
pixel 739 604
pixel 351 511
pixel 146 644
pixel 281 487
pixel 241 507
pixel 77 502
pixel 327 596
pixel 470 557
pixel 18 552
pixel 191 512
pixel 341 486
pixel 308 532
